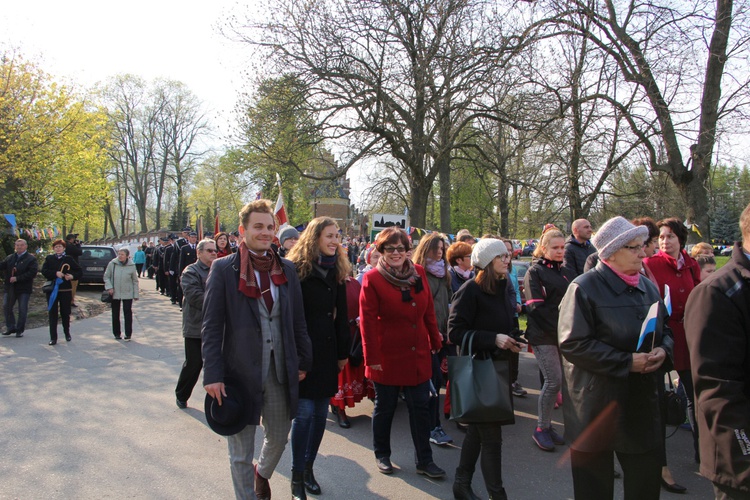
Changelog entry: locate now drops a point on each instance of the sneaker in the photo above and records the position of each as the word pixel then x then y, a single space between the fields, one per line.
pixel 543 439
pixel 556 438
pixel 518 390
pixel 431 470
pixel 439 437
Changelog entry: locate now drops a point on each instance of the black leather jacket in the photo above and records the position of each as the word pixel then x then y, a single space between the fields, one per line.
pixel 24 268
pixel 599 325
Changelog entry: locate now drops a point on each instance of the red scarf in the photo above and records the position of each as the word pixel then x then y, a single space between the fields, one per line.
pixel 250 262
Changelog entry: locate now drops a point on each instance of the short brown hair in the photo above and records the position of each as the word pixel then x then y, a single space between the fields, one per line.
pixel 677 227
pixel 391 235
pixel 456 251
pixel 653 231
pixel 260 206
pixel 58 242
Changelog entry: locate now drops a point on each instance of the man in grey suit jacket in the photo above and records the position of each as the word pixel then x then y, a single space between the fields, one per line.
pixel 254 332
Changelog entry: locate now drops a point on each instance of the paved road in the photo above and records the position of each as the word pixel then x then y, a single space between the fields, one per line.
pixel 96 418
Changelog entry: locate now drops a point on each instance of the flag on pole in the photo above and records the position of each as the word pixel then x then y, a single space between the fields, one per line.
pixel 199 227
pixel 667 300
pixel 280 211
pixel 649 324
pixel 216 222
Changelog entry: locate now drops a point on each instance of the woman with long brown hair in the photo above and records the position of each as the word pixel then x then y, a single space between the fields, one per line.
pixel 430 254
pixel 322 266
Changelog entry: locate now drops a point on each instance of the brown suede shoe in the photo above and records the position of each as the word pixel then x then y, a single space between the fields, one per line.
pixel 262 486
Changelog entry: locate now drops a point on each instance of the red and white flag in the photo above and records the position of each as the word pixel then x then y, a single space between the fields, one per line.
pixel 280 211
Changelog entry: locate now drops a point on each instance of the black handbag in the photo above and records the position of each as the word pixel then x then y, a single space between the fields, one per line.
pixel 675 412
pixel 479 387
pixel 48 286
pixel 106 297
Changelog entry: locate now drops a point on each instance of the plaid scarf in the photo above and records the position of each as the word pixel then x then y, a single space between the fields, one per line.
pixel 403 278
pixel 249 263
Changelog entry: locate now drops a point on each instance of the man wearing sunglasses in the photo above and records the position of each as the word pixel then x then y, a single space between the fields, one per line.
pixel 193 287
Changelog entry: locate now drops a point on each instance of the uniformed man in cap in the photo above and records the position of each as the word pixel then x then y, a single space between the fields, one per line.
pixel 158 264
pixel 170 267
pixel 187 256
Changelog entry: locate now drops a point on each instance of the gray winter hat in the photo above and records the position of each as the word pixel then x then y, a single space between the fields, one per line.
pixel 485 250
pixel 286 233
pixel 615 234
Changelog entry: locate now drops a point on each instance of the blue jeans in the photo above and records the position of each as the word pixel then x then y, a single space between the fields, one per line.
pixel 23 307
pixel 418 403
pixel 548 357
pixel 308 427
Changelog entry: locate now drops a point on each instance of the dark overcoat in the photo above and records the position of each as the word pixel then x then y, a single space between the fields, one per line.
pixel 232 336
pixel 328 328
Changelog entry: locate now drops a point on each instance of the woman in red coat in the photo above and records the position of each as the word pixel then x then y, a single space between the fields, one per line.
pixel 399 335
pixel 673 266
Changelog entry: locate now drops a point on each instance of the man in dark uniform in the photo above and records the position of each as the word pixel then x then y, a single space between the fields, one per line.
pixel 169 269
pixel 188 255
pixel 149 251
pixel 158 265
pixel 182 241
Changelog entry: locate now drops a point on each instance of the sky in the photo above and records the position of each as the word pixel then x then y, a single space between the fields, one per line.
pixel 84 42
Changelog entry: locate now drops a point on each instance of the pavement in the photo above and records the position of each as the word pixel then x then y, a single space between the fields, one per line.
pixel 96 418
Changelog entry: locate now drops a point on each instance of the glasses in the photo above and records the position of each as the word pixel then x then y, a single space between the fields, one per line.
pixel 504 256
pixel 394 249
pixel 209 250
pixel 635 248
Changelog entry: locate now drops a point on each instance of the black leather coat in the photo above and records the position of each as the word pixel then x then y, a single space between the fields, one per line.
pixel 606 406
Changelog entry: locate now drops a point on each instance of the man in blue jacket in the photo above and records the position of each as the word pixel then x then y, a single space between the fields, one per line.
pixel 20 269
pixel 254 333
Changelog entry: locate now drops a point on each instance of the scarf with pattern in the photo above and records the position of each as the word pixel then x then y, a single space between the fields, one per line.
pixel 403 279
pixel 250 262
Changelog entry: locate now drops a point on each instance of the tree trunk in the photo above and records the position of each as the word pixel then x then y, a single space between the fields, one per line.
pixel 444 172
pixel 418 210
pixel 502 200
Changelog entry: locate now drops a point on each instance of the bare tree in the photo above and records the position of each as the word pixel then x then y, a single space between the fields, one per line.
pixel 674 55
pixel 390 76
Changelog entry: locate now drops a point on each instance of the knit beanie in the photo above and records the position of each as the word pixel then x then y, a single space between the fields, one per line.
pixel 615 234
pixel 286 233
pixel 485 250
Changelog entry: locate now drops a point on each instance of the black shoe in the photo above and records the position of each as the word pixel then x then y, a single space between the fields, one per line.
pixel 384 465
pixel 343 419
pixel 19 335
pixel 311 485
pixel 127 337
pixel 181 404
pixel 118 337
pixel 673 488
pixel 52 342
pixel 462 486
pixel 431 470
pixel 67 337
pixel 298 486
pixel 10 332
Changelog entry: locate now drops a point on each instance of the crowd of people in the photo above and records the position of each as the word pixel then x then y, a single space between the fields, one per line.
pixel 285 325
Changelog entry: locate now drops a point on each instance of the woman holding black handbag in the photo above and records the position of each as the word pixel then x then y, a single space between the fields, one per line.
pixel 482 307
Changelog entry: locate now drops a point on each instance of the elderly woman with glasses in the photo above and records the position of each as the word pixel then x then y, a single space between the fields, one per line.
pixel 614 340
pixel 399 335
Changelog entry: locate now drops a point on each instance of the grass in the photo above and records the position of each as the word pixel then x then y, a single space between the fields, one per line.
pixel 721 260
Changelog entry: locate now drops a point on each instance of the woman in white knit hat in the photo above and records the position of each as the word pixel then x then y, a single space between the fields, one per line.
pixel 482 305
pixel 613 339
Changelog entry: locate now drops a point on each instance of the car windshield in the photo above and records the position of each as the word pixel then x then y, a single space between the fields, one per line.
pixel 97 253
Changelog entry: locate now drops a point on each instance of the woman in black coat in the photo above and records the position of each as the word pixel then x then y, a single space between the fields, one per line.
pixel 483 306
pixel 60 265
pixel 322 266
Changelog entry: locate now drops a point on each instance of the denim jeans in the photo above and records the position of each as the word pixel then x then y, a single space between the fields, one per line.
pixel 23 307
pixel 418 403
pixel 308 427
pixel 548 357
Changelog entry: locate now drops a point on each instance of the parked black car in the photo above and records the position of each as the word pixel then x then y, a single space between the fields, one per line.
pixel 94 261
